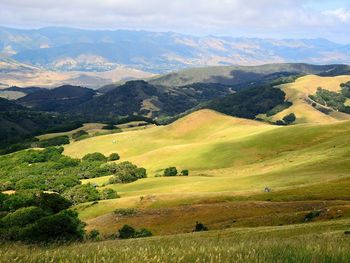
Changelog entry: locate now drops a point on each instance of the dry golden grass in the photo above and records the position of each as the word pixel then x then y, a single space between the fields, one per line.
pixel 298 92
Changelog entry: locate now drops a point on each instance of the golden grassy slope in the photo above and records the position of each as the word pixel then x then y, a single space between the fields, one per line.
pixel 298 92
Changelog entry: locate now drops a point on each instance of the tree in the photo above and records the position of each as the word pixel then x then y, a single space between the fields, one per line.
pixel 109 193
pixel 64 225
pixel 170 171
pixel 290 118
pixel 82 193
pixel 185 172
pixel 126 232
pixel 93 157
pixel 23 216
pixel 126 172
pixel 114 157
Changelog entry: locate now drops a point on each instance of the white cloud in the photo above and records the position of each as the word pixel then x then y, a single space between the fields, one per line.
pixel 341 13
pixel 261 17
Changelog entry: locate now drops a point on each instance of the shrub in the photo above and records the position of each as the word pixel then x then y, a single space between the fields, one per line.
pixel 23 216
pixel 143 232
pixel 125 211
pixel 109 127
pixel 64 225
pixel 313 214
pixel 200 227
pixel 280 123
pixel 78 134
pixel 126 172
pixel 170 171
pixel 94 235
pixel 56 141
pixel 114 157
pixel 93 157
pixel 109 193
pixel 82 193
pixel 52 202
pixel 126 232
pixel 185 172
pixel 290 118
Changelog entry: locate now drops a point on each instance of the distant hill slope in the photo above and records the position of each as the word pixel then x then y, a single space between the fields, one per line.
pixel 58 99
pixel 142 98
pixel 18 123
pixel 69 49
pixel 14 73
pixel 298 93
pixel 247 75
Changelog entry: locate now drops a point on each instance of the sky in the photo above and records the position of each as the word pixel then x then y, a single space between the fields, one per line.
pixel 247 18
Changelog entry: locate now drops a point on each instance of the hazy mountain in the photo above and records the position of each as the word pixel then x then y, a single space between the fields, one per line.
pixel 70 49
pixel 14 73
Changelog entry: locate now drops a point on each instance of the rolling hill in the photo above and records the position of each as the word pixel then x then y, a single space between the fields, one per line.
pixel 298 93
pixel 230 159
pixel 58 99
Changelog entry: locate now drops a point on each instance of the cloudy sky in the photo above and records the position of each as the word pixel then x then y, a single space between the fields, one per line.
pixel 253 18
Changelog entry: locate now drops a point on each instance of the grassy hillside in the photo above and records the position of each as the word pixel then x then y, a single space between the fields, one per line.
pixel 230 160
pixel 298 93
pixel 237 75
pixel 313 242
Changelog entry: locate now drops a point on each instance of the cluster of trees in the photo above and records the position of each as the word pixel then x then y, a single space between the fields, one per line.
pixel 88 193
pixel 49 170
pixel 172 171
pixel 38 217
pixel 333 99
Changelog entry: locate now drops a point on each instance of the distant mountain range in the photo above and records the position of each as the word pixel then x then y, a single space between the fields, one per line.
pixel 67 49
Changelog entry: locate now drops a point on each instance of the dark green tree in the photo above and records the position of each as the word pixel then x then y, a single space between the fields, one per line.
pixel 170 171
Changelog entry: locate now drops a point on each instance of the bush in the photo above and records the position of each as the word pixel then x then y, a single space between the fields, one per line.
pixel 62 226
pixel 313 214
pixel 82 193
pixel 185 172
pixel 94 235
pixel 143 232
pixel 56 141
pixel 170 171
pixel 114 157
pixel 108 193
pixel 23 216
pixel 200 227
pixel 125 211
pixel 290 118
pixel 280 123
pixel 78 134
pixel 33 216
pixel 94 157
pixel 126 232
pixel 126 172
pixel 109 127
pixel 52 202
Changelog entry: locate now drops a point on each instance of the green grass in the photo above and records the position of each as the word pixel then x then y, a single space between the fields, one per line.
pixel 312 242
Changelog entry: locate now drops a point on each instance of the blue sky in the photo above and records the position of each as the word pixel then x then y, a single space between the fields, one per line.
pixel 252 18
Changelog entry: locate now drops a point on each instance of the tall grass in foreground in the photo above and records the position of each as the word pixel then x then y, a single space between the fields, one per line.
pixel 308 243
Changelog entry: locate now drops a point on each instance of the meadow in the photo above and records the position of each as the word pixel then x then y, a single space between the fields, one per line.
pixel 312 242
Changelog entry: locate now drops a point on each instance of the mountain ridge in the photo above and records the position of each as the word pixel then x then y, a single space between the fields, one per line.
pixel 69 49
